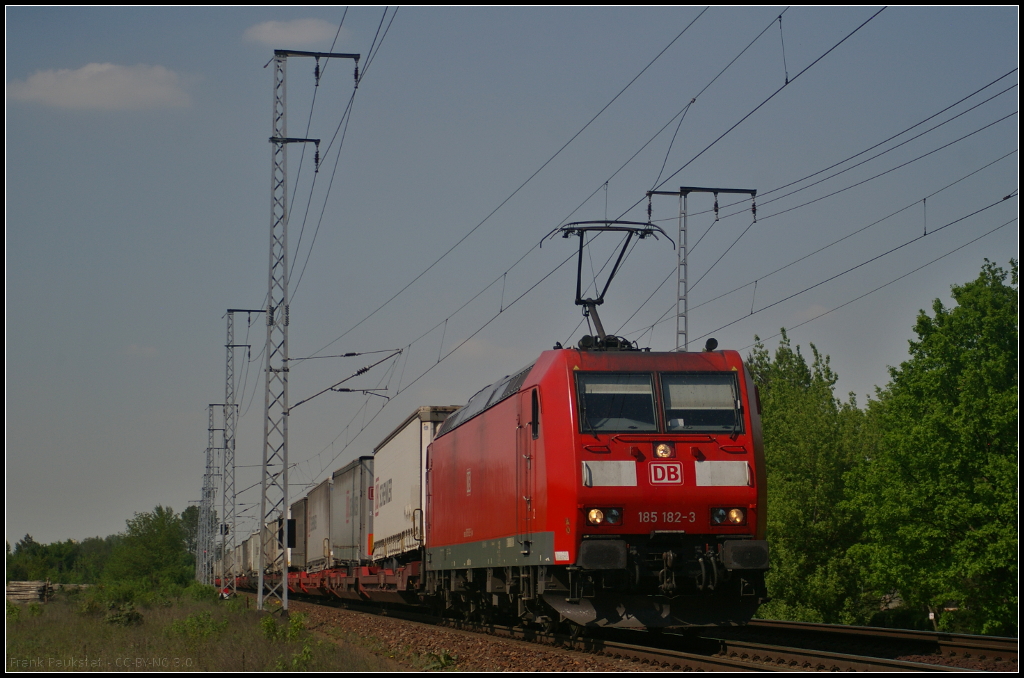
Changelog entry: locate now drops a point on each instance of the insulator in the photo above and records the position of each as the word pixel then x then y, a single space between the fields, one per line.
pixel 716 207
pixel 753 210
pixel 648 208
pixel 316 72
pixel 357 75
pixel 316 161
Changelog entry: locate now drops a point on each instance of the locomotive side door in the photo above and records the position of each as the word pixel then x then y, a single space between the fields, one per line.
pixel 527 432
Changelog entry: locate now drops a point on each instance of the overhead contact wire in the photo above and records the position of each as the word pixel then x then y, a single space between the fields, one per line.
pixel 863 263
pixel 758 107
pixel 859 230
pixel 516 191
pixel 871 148
pixel 343 128
pixel 953 251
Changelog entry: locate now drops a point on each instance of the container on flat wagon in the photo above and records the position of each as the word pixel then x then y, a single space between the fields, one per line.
pixel 351 514
pixel 246 566
pixel 297 554
pixel 239 562
pixel 271 547
pixel 399 467
pixel 318 527
pixel 250 553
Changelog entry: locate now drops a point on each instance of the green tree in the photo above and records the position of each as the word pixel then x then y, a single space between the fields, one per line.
pixel 25 561
pixel 810 441
pixel 937 489
pixel 152 552
pixel 65 562
pixel 94 554
pixel 190 523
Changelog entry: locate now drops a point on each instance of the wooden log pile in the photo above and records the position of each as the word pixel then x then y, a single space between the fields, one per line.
pixel 29 591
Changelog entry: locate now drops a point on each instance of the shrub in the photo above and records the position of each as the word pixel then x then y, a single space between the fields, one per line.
pixel 198 626
pixel 123 614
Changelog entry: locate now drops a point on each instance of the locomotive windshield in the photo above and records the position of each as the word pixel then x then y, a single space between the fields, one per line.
pixel 616 403
pixel 705 402
pixel 694 402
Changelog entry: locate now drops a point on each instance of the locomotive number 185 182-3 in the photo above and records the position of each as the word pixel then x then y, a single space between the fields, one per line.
pixel 668 517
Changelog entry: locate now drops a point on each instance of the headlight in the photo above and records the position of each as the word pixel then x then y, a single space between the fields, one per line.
pixel 728 516
pixel 663 451
pixel 604 516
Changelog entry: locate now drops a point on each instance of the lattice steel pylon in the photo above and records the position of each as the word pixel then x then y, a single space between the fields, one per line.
pixel 682 338
pixel 228 523
pixel 274 486
pixel 204 537
pixel 227 511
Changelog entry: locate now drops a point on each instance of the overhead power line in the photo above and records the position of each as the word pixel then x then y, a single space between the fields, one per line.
pixel 516 191
pixel 342 127
pixel 858 298
pixel 841 190
pixel 758 107
pixel 488 322
pixel 852 268
pixel 859 230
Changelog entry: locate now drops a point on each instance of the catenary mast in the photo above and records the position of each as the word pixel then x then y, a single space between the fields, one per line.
pixel 274 487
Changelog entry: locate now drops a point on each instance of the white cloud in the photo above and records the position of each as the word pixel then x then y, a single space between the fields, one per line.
pixel 289 34
pixel 106 87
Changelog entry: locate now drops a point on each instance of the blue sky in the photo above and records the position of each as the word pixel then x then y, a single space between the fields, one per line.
pixel 138 201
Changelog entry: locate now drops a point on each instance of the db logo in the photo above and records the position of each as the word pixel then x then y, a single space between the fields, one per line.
pixel 666 473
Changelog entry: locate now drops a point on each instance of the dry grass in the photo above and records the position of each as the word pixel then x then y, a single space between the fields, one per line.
pixel 76 633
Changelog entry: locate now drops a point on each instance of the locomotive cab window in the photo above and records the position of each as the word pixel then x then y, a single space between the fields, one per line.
pixel 702 402
pixel 615 403
pixel 535 415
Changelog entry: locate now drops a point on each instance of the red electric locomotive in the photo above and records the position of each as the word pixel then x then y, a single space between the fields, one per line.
pixel 603 485
pixel 609 487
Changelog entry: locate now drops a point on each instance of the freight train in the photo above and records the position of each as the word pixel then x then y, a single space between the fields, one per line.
pixel 601 485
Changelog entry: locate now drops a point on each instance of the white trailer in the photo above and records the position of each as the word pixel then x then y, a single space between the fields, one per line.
pixel 399 467
pixel 318 527
pixel 297 554
pixel 351 514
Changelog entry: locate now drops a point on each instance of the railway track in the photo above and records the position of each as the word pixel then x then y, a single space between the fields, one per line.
pixel 735 656
pixel 992 648
pixel 962 650
pixel 806 647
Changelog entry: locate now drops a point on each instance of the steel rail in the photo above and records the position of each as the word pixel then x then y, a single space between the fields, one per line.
pixel 966 646
pixel 676 660
pixel 725 655
pixel 818 660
